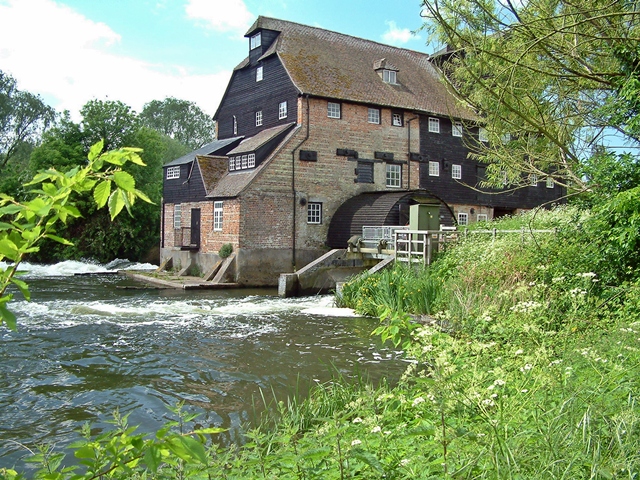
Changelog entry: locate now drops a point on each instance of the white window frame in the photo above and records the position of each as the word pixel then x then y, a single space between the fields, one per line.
pixel 550 183
pixel 314 213
pixel 456 129
pixel 434 125
pixel 463 218
pixel 396 119
pixel 533 179
pixel 177 216
pixel 255 41
pixel 251 160
pixel 334 110
pixel 218 215
pixel 482 217
pixel 173 172
pixel 483 135
pixel 373 116
pixel 235 125
pixel 282 110
pixel 434 169
pixel 259 74
pixel 259 118
pixel 244 160
pixel 389 76
pixel 232 163
pixel 456 171
pixel 394 175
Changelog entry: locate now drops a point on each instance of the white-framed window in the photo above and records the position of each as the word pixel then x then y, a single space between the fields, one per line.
pixel 533 179
pixel 217 216
pixel 456 129
pixel 550 183
pixel 259 118
pixel 463 218
pixel 259 73
pixel 434 125
pixel 232 163
pixel 456 171
pixel 282 110
pixel 256 40
pixel 373 115
pixel 244 159
pixel 394 175
pixel 506 138
pixel 314 213
pixel 483 135
pixel 389 76
pixel 251 160
pixel 396 119
pixel 173 172
pixel 177 214
pixel 235 125
pixel 482 217
pixel 434 169
pixel 333 110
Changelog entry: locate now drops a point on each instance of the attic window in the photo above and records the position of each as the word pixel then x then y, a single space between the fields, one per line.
pixel 389 76
pixel 256 40
pixel 173 172
pixel 242 162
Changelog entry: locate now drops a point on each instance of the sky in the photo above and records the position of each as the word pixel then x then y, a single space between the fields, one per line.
pixel 135 51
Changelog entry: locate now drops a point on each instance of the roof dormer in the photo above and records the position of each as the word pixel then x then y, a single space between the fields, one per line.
pixel 387 71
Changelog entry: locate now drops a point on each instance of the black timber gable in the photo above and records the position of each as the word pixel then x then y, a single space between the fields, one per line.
pixel 188 188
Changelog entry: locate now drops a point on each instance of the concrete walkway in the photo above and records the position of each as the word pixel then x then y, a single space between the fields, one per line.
pixel 167 280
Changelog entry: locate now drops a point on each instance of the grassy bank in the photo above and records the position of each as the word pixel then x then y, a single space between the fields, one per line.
pixel 527 368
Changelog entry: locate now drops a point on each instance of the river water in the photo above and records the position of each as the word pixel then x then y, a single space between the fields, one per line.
pixel 87 344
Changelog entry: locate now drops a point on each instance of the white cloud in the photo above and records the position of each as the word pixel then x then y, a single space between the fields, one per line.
pixel 397 36
pixel 67 58
pixel 221 15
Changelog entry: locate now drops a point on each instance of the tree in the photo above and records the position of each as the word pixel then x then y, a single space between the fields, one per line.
pixel 23 118
pixel 181 120
pixel 113 122
pixel 547 77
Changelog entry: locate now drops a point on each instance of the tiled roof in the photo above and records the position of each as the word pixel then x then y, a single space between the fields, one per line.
pixel 251 144
pixel 212 168
pixel 333 65
pixel 208 149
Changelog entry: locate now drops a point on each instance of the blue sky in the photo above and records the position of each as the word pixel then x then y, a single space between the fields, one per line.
pixel 72 51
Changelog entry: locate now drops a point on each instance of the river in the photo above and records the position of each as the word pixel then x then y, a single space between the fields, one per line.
pixel 88 344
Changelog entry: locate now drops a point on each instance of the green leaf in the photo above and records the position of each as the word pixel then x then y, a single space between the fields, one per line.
pixel 143 196
pixel 116 203
pixel 8 317
pixel 153 457
pixel 11 209
pixel 210 431
pixel 368 458
pixel 24 288
pixel 5 226
pixel 95 150
pixel 101 193
pixel 61 240
pixel 8 249
pixel 188 449
pixel 124 180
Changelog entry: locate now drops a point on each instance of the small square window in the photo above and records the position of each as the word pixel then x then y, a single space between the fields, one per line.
pixel 482 217
pixel 456 171
pixel 217 216
pixel 463 218
pixel 251 160
pixel 373 116
pixel 259 118
pixel 389 76
pixel 245 158
pixel 282 110
pixel 333 110
pixel 550 182
pixel 314 213
pixel 396 119
pixel 256 41
pixel 434 125
pixel 259 72
pixel 456 129
pixel 533 179
pixel 483 135
pixel 394 175
pixel 173 172
pixel 434 169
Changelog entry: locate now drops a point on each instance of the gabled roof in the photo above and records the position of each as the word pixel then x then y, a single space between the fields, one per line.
pixel 208 149
pixel 336 66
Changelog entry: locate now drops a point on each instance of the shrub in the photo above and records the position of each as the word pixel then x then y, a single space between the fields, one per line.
pixel 225 250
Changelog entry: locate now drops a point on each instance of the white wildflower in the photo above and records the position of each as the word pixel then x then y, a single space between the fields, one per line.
pixel 357 420
pixel 356 442
pixel 376 429
pixel 417 401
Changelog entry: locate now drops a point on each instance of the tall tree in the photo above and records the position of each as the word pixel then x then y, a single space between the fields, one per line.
pixel 181 120
pixel 549 78
pixel 113 122
pixel 23 118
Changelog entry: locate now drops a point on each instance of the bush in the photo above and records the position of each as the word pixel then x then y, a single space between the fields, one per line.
pixel 225 250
